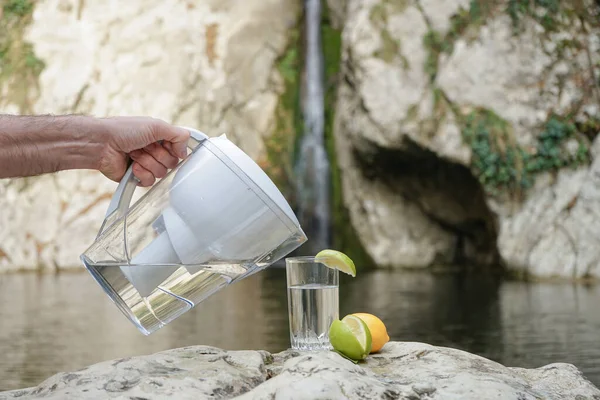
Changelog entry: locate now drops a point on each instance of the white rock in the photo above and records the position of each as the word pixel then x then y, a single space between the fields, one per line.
pixel 400 371
pixel 394 143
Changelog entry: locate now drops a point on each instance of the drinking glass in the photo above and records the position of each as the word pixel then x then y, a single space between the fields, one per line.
pixel 313 302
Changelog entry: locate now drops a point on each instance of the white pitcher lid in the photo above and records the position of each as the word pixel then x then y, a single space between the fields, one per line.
pixel 254 172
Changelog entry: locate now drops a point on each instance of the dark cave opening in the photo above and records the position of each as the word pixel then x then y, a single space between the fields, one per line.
pixel 445 191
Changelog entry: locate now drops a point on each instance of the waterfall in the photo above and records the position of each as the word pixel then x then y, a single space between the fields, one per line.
pixel 312 166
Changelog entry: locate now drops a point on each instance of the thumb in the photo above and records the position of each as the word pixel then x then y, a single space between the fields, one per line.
pixel 178 137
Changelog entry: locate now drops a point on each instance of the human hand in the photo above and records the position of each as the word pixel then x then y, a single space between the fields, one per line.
pixel 138 138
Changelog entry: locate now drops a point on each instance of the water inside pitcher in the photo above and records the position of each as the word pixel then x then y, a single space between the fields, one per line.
pixel 214 219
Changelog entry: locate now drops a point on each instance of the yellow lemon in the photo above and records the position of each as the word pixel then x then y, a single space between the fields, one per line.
pixel 379 335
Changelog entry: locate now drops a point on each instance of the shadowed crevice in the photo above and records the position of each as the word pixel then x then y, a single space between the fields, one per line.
pixel 446 192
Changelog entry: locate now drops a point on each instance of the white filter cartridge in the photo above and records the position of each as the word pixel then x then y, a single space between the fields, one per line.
pixel 146 278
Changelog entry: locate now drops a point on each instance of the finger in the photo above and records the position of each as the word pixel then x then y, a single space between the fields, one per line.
pixel 145 177
pixel 177 136
pixel 160 154
pixel 149 163
pixel 169 147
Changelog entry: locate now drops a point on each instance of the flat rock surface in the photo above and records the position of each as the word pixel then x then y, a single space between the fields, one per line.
pixel 400 371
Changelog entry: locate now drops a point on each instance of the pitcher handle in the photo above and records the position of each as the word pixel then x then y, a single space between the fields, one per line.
pixel 121 199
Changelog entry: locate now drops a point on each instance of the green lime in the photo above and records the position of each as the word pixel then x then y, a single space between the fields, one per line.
pixel 336 260
pixel 350 337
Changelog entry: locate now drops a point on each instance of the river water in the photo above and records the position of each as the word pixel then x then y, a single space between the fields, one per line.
pixel 52 323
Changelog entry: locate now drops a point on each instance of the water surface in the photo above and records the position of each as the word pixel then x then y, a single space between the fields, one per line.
pixel 53 323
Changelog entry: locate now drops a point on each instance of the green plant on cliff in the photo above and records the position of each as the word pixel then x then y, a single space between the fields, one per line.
pixel 504 166
pixel 552 15
pixel 462 23
pixel 550 153
pixel 18 8
pixel 496 157
pixel 390 47
pixel 344 238
pixel 280 145
pixel 19 66
pixel 544 12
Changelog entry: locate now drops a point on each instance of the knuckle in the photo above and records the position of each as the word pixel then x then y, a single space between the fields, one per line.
pixel 155 167
pixel 157 124
pixel 137 169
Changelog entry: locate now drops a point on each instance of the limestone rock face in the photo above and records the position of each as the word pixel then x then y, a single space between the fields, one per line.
pixel 206 64
pixel 399 371
pixel 466 131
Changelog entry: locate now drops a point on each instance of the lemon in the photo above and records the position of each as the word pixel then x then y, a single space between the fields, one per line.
pixel 351 337
pixel 379 335
pixel 336 260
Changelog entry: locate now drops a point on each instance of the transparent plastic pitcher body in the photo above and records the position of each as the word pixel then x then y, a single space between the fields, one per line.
pixel 214 219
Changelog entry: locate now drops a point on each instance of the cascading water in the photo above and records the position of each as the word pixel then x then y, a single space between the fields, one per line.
pixel 312 167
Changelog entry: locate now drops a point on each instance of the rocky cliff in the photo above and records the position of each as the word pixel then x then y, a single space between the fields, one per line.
pixel 409 371
pixel 220 66
pixel 465 131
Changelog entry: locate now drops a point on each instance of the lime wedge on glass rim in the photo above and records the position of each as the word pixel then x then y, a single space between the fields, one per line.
pixel 336 260
pixel 350 337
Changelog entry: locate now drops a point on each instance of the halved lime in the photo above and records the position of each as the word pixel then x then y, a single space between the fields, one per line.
pixel 336 260
pixel 350 337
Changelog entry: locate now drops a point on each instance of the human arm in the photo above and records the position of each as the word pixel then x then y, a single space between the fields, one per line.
pixel 34 145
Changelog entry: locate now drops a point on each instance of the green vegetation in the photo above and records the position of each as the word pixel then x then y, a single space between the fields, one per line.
pixel 280 145
pixel 590 127
pixel 499 162
pixel 390 47
pixel 19 66
pixel 435 45
pixel 543 11
pixel 381 10
pixel 464 23
pixel 497 159
pixel 379 14
pixel 552 15
pixel 332 54
pixel 502 165
pixel 550 154
pixel 344 238
pixel 467 22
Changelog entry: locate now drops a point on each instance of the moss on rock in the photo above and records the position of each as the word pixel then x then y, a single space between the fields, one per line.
pixel 390 47
pixel 544 12
pixel 280 145
pixel 19 66
pixel 464 23
pixel 552 15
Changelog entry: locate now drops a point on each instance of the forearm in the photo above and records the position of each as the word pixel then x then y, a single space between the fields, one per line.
pixel 33 145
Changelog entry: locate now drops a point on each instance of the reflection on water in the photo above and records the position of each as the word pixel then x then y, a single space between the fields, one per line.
pixel 64 322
